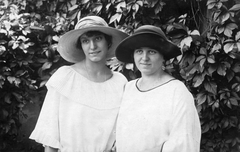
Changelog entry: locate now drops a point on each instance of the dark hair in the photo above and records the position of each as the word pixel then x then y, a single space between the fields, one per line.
pixel 94 33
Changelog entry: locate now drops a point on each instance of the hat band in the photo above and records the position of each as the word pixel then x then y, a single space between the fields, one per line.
pixel 89 23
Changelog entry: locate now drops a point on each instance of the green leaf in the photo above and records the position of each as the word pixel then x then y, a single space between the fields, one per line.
pixel 201 98
pixel 135 7
pixel 225 124
pixel 222 95
pixel 108 6
pixel 120 6
pixel 199 58
pixel 230 75
pixel 115 17
pixel 5 113
pixel 225 17
pixel 236 87
pixel 236 67
pixel 203 51
pixel 201 63
pixel 7 99
pixel 210 5
pixel 198 80
pixel 46 65
pixel 238 46
pixel 17 96
pixel 2 49
pixel 212 68
pixel 15 45
pixel 151 3
pixel 73 14
pixel 216 47
pixel 140 3
pixel 232 26
pixel 228 32
pixel 221 70
pixel 20 73
pixel 211 87
pixel 229 28
pixel 219 5
pixel 237 36
pixel 228 47
pixel 211 1
pixel 186 42
pixel 216 105
pixel 235 7
pixel 98 7
pixel 14 80
pixel 73 7
pixel 84 1
pixel 211 59
pixel 220 30
pixel 159 7
pixel 205 128
pixel 233 101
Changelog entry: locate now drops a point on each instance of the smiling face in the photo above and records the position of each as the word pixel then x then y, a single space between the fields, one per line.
pixel 148 60
pixel 94 46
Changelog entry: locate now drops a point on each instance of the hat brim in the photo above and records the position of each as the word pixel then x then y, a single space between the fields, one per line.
pixel 68 43
pixel 124 51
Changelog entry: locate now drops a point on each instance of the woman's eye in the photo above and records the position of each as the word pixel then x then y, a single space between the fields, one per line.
pixel 84 41
pixel 152 51
pixel 138 51
pixel 98 38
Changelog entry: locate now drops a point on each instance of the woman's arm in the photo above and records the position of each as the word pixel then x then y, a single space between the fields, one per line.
pixel 185 130
pixel 50 149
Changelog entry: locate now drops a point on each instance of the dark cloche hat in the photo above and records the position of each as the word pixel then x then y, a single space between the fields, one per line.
pixel 146 36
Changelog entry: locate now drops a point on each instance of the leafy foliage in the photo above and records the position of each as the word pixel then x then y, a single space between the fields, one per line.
pixel 27 58
pixel 206 30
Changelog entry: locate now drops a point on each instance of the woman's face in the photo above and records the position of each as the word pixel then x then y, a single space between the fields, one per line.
pixel 95 47
pixel 148 61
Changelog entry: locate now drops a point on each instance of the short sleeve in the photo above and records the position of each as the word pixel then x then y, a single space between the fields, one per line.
pixel 46 130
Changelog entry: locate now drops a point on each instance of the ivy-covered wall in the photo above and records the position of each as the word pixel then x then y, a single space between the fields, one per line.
pixel 206 30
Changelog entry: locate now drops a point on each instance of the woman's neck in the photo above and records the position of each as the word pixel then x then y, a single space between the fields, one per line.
pixel 151 81
pixel 97 71
pixel 154 76
pixel 95 68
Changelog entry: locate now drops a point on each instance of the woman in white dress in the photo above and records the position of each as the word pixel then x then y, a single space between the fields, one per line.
pixel 157 113
pixel 81 106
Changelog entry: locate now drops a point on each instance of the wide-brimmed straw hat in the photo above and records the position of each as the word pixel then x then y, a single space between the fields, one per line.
pixel 68 43
pixel 146 36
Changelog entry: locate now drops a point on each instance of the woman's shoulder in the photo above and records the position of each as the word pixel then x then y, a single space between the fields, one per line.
pixel 60 74
pixel 132 83
pixel 62 70
pixel 180 88
pixel 65 75
pixel 117 76
pixel 178 84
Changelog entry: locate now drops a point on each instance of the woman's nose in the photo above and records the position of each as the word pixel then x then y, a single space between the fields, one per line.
pixel 145 56
pixel 92 45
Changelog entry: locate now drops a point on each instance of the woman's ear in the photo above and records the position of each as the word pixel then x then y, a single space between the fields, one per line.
pixel 109 45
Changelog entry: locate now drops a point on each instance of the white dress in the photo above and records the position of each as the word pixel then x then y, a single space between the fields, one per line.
pixel 79 115
pixel 163 119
